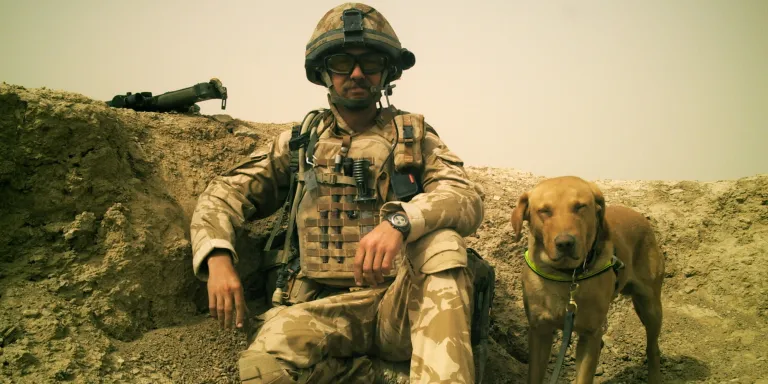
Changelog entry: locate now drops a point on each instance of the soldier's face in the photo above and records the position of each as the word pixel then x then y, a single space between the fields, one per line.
pixel 357 84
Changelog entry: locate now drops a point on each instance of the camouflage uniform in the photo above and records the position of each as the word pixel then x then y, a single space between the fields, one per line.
pixel 422 312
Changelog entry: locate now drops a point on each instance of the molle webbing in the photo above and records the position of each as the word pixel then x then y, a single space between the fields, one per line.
pixel 330 162
pixel 336 179
pixel 341 222
pixel 344 194
pixel 332 178
pixel 319 252
pixel 410 129
pixel 332 250
pixel 344 237
pixel 328 267
pixel 323 190
pixel 341 206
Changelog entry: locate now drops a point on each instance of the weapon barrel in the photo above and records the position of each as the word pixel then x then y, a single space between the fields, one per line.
pixel 184 98
pixel 181 100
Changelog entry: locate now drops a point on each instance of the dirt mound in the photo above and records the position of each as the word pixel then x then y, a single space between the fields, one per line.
pixel 95 209
pixel 95 260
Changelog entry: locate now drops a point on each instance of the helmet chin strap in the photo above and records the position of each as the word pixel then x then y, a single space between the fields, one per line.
pixel 356 104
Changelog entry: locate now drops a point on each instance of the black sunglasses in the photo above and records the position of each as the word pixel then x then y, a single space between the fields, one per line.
pixel 344 63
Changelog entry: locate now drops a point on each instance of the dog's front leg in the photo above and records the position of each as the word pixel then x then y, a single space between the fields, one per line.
pixel 587 356
pixel 539 350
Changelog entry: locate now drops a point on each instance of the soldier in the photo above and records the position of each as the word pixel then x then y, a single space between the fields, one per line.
pixel 374 261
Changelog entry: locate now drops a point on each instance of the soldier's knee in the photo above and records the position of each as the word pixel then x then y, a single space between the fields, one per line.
pixel 259 367
pixel 437 251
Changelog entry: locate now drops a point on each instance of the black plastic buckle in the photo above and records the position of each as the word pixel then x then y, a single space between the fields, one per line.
pixel 299 141
pixel 408 132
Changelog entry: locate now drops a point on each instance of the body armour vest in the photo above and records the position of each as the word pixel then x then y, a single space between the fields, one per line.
pixel 344 190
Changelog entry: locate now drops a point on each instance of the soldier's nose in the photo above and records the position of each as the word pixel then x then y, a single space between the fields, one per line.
pixel 357 72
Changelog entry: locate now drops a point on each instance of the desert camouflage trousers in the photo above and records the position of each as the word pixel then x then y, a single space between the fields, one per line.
pixel 424 316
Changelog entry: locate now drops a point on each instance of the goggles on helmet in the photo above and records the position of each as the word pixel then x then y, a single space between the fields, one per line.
pixel 344 63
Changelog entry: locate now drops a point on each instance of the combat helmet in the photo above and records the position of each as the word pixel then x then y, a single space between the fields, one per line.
pixel 355 25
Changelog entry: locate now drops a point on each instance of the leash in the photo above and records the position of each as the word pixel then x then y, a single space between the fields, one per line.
pixel 570 315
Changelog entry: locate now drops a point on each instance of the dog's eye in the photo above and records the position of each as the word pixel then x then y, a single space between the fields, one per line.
pixel 578 207
pixel 545 212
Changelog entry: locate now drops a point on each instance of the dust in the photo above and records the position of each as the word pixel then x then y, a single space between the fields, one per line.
pixel 96 283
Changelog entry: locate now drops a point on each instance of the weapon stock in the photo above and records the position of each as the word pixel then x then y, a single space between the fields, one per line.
pixel 179 101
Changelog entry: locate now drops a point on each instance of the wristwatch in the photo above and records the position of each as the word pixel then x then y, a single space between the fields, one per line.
pixel 400 222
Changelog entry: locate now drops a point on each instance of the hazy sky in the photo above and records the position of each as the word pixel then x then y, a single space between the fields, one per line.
pixel 630 89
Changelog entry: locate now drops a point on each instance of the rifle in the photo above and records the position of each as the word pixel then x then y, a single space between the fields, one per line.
pixel 178 101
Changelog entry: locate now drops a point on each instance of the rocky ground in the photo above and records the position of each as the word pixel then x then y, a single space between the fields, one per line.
pixel 95 261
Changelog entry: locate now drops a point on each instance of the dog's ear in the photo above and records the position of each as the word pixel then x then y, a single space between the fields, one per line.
pixel 600 206
pixel 520 214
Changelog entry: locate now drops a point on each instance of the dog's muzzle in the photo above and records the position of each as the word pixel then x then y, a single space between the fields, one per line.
pixel 565 245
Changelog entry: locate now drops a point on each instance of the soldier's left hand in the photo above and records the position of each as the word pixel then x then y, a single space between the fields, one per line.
pixel 376 253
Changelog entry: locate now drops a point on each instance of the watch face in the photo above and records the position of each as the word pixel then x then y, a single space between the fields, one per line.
pixel 399 220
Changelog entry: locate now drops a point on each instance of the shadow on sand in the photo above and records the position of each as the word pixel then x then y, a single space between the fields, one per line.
pixel 674 369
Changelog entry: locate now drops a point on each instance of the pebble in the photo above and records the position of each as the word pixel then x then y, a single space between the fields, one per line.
pixel 626 357
pixel 749 357
pixel 30 313
pixel 745 337
pixel 599 371
pixel 222 118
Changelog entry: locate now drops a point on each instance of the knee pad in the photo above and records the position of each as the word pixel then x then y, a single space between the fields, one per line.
pixel 437 251
pixel 262 368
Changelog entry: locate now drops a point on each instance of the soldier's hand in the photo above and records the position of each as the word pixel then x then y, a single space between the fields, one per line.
pixel 376 253
pixel 226 299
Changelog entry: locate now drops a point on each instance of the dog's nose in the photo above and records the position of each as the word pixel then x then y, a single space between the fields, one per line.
pixel 565 243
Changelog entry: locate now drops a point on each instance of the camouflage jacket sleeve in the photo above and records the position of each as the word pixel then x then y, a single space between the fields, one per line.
pixel 253 189
pixel 450 199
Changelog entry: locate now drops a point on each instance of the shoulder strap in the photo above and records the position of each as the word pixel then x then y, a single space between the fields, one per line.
pixel 298 141
pixel 301 140
pixel 429 128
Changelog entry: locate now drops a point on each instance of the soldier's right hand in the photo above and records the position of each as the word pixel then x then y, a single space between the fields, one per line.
pixel 226 299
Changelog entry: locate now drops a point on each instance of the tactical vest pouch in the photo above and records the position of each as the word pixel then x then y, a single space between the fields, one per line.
pixel 404 185
pixel 408 148
pixel 343 209
pixel 302 289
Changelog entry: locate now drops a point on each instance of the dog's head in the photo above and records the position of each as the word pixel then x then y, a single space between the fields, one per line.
pixel 566 216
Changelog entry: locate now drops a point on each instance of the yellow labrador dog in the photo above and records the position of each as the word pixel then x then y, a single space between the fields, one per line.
pixel 571 247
